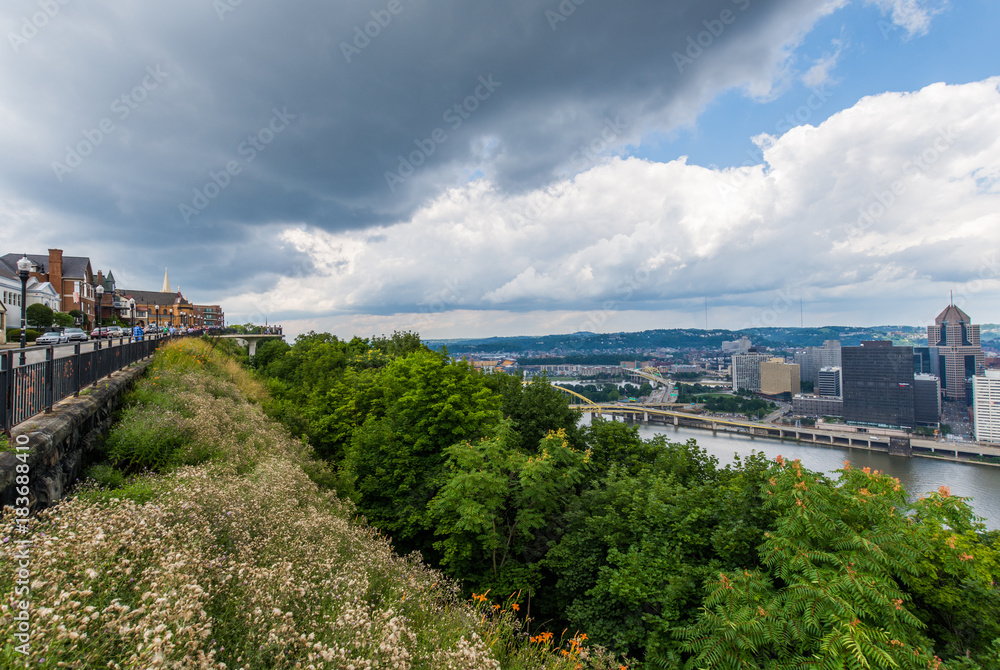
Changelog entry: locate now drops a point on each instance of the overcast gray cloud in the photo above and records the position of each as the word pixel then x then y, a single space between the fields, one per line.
pixel 355 151
pixel 162 97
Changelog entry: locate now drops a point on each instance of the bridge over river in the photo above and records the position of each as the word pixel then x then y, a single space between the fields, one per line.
pixel 895 443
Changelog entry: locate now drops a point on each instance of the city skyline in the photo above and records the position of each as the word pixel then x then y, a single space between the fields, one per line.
pixel 525 167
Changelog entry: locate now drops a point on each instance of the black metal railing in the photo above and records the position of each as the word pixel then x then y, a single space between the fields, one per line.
pixel 53 372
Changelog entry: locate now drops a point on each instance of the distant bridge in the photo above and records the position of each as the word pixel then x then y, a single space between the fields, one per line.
pixel 649 374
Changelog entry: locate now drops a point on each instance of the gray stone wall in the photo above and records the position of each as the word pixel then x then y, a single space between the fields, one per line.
pixel 65 442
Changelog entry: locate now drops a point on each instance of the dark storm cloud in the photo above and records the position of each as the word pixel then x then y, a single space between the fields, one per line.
pixel 198 115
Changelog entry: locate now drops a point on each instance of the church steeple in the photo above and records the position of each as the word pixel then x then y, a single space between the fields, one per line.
pixel 166 282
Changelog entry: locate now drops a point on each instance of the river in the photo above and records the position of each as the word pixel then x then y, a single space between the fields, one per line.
pixel 981 483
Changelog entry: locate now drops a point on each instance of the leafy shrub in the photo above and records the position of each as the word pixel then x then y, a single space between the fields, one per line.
pixel 138 489
pixel 148 437
pixel 14 334
pixel 105 475
pixel 158 392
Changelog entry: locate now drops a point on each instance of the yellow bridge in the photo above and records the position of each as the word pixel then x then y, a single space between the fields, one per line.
pixel 649 374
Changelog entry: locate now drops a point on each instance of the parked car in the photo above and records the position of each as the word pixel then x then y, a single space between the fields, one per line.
pixel 98 333
pixel 51 337
pixel 116 331
pixel 74 335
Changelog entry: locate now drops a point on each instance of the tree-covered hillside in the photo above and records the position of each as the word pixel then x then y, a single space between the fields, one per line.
pixel 645 546
pixel 585 343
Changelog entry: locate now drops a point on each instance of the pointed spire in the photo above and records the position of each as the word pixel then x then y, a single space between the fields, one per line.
pixel 166 282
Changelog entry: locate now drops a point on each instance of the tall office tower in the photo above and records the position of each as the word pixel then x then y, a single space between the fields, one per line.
pixel 986 406
pixel 927 361
pixel 829 381
pixel 926 400
pixel 746 370
pixel 878 385
pixel 813 358
pixel 961 357
pixel 778 377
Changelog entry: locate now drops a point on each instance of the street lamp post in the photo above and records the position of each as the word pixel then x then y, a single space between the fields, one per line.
pixel 131 307
pixel 23 269
pixel 157 308
pixel 99 290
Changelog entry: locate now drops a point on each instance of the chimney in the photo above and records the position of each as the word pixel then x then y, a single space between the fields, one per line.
pixel 56 273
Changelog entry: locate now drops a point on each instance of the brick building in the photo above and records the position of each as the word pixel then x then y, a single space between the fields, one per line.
pixel 70 276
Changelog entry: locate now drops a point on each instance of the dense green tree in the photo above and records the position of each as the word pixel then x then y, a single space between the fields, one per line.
pixel 62 319
pixel 421 405
pixel 957 581
pixel 535 409
pixel 495 503
pixel 836 582
pixel 39 315
pixel 268 351
pixel 640 543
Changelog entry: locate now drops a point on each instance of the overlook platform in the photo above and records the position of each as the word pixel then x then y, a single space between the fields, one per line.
pixel 250 341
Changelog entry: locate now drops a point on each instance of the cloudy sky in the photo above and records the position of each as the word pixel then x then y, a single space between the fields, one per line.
pixel 517 166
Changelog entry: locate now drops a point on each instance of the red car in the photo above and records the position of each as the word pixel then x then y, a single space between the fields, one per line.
pixel 99 332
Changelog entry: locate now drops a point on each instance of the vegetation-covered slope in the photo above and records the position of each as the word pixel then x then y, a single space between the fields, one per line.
pixel 210 545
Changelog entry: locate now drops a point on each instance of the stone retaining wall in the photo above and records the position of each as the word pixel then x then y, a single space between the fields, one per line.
pixel 64 443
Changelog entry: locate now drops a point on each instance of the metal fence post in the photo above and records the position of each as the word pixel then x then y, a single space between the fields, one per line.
pixel 50 378
pixel 77 367
pixel 6 381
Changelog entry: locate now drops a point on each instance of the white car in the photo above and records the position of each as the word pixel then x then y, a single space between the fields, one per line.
pixel 51 337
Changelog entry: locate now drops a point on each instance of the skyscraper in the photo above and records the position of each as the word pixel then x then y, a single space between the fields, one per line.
pixel 746 370
pixel 986 389
pixel 926 400
pixel 878 385
pixel 778 377
pixel 961 356
pixel 829 381
pixel 814 358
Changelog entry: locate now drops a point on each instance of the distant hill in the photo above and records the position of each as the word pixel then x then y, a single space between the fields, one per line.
pixel 589 344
